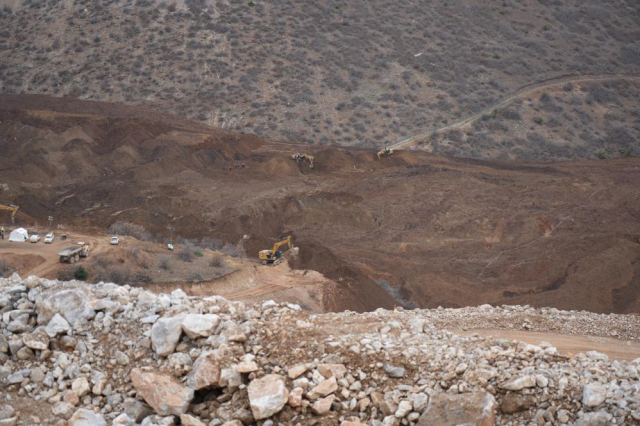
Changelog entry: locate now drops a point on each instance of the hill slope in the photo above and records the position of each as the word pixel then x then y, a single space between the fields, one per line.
pixel 345 72
pixel 420 229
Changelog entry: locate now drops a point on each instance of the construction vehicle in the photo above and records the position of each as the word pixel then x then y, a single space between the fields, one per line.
pixel 301 157
pixel 73 253
pixel 12 208
pixel 384 152
pixel 274 256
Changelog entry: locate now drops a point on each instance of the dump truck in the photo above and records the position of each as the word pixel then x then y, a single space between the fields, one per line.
pixel 73 253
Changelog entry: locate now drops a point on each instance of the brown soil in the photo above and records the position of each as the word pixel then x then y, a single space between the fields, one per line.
pixel 436 231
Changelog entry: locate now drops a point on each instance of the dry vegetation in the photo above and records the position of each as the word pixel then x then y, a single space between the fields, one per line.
pixel 593 120
pixel 343 72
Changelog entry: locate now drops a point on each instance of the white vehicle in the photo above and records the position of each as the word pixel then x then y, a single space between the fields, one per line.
pixel 115 241
pixel 35 238
pixel 48 239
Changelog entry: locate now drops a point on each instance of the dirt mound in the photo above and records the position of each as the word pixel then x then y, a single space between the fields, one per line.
pixel 432 231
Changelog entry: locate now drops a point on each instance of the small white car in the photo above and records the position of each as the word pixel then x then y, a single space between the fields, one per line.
pixel 48 239
pixel 35 238
pixel 115 241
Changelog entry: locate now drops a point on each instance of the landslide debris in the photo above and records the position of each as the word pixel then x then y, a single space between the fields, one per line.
pixel 109 354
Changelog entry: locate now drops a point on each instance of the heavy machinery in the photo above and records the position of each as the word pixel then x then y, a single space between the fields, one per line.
pixel 301 157
pixel 73 253
pixel 385 152
pixel 12 208
pixel 274 256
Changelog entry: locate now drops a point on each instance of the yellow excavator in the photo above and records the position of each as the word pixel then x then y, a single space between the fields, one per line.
pixel 274 256
pixel 384 152
pixel 301 157
pixel 12 208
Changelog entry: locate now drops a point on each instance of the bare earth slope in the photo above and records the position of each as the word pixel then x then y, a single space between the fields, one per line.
pixel 345 72
pixel 413 229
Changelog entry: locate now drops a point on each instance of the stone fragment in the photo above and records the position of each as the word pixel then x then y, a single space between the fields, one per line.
pixel 323 405
pixel 323 389
pixel 332 370
pixel 393 371
pixel 593 419
pixel 295 397
pixel 165 395
pixel 63 409
pixel 136 410
pixel 297 370
pixel 189 420
pixel 247 367
pixel 267 396
pixel 404 408
pixel 38 340
pixel 80 386
pixel 165 334
pixel 476 409
pixel 515 403
pixel 594 394
pixel 519 383
pixel 205 373
pixel 196 325
pixel 84 417
pixel 57 325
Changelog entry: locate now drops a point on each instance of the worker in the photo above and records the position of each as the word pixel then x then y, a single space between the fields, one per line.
pixel 2 232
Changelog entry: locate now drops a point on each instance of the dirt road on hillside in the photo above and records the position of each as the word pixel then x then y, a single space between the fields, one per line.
pixel 524 90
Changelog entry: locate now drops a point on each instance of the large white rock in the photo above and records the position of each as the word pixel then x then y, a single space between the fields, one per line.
pixel 165 335
pixel 67 302
pixel 57 325
pixel 196 325
pixel 594 394
pixel 84 417
pixel 267 396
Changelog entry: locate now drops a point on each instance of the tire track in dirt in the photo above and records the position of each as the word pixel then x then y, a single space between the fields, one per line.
pixel 524 90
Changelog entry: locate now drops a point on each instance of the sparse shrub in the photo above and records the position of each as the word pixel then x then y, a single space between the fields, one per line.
pixel 66 274
pixel 538 120
pixel 198 252
pixel 195 277
pixel 215 262
pixel 601 154
pixel 4 265
pixel 119 275
pixel 186 254
pixel 133 252
pixel 130 229
pixel 165 262
pixel 626 152
pixel 81 273
pixel 233 250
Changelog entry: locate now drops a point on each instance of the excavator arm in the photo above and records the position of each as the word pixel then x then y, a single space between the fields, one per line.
pixel 271 256
pixel 12 208
pixel 276 246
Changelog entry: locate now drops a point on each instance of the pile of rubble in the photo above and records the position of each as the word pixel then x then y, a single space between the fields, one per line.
pixel 109 354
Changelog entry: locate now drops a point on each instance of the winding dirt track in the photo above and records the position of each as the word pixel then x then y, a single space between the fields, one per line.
pixel 524 90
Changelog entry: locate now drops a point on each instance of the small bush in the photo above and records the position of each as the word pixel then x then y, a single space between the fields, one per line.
pixel 66 274
pixel 233 250
pixel 198 252
pixel 626 152
pixel 4 265
pixel 186 254
pixel 81 273
pixel 601 154
pixel 165 262
pixel 215 262
pixel 195 277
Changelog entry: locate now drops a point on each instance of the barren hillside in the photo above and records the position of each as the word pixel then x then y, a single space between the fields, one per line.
pixel 412 229
pixel 344 72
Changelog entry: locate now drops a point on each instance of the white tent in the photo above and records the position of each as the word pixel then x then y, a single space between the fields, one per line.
pixel 19 235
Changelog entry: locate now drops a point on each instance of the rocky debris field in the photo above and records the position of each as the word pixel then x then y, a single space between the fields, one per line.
pixel 107 354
